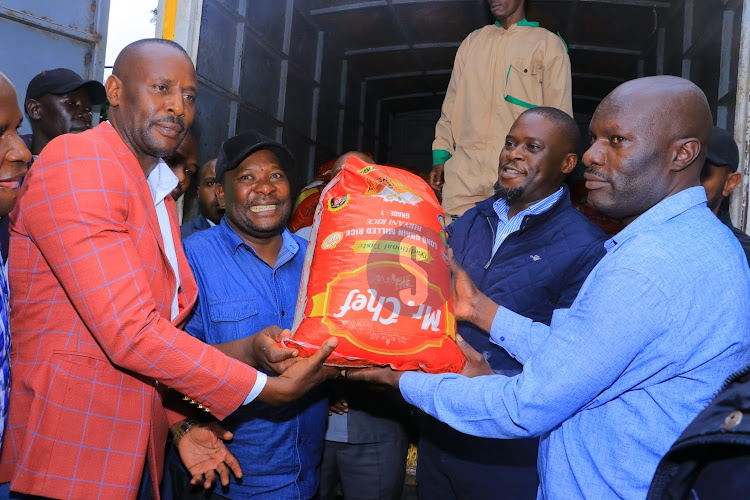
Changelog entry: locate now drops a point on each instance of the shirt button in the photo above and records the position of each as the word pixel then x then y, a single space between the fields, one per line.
pixel 502 339
pixel 283 313
pixel 299 479
pixel 299 441
pixel 732 420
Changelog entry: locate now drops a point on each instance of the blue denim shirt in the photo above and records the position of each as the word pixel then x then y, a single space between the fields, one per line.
pixel 279 448
pixel 658 325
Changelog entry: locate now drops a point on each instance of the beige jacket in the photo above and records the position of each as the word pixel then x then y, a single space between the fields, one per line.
pixel 497 75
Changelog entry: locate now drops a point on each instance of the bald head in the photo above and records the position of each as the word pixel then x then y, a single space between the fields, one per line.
pixel 668 106
pixel 134 52
pixel 5 83
pixel 648 139
pixel 339 164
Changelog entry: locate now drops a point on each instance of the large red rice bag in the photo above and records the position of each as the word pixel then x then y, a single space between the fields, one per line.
pixel 377 275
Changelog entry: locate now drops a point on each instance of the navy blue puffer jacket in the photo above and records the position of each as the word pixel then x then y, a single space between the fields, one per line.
pixel 537 269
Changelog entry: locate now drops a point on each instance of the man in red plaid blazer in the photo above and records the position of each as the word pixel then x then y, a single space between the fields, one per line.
pixel 96 301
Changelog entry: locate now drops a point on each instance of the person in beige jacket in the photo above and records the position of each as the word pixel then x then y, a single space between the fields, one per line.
pixel 499 71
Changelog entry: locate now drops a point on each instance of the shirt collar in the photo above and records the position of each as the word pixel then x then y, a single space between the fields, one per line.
pixel 522 22
pixel 233 241
pixel 501 206
pixel 161 181
pixel 666 209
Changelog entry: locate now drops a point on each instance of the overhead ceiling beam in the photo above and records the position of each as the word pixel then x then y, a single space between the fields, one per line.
pixel 375 50
pixel 348 7
pixel 596 76
pixel 409 74
pixel 377 3
pixel 418 46
pixel 657 4
pixel 413 96
pixel 601 48
pixel 591 98
pixel 437 45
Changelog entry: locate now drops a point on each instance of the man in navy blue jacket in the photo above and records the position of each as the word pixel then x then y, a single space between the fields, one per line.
pixel 530 250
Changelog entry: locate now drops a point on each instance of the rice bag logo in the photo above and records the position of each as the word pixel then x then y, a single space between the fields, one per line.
pixel 332 240
pixel 367 169
pixel 338 202
pixel 391 195
pixel 404 286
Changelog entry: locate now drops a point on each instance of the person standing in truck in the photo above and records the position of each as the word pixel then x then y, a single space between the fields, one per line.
pixel 499 71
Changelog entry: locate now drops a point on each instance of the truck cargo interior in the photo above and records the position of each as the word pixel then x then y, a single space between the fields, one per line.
pixel 327 76
pixel 333 75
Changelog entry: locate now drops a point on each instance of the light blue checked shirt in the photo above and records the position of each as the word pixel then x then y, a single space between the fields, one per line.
pixel 658 325
pixel 506 227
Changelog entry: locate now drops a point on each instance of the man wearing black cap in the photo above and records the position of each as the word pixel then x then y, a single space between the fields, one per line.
pixel 58 102
pixel 248 269
pixel 719 178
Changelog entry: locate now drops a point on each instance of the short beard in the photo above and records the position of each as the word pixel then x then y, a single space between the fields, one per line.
pixel 509 195
pixel 154 148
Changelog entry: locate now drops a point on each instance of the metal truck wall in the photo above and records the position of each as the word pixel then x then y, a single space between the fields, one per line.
pixel 41 34
pixel 267 66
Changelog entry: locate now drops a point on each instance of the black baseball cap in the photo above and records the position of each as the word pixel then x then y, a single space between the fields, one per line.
pixel 722 150
pixel 234 150
pixel 61 81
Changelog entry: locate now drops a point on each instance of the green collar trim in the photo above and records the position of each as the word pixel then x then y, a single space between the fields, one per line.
pixel 522 22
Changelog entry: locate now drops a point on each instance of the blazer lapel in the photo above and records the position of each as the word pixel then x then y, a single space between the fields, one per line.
pixel 130 162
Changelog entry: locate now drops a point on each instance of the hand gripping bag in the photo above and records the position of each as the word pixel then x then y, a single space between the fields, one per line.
pixel 377 274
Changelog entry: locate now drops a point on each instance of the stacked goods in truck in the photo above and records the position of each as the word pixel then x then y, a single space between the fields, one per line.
pixel 377 274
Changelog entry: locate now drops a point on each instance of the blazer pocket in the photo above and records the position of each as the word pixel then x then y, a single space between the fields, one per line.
pixel 232 319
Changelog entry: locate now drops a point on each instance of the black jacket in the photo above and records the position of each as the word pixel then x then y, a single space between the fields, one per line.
pixel 538 269
pixel 742 237
pixel 711 459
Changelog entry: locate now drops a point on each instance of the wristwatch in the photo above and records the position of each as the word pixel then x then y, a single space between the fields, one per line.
pixel 183 429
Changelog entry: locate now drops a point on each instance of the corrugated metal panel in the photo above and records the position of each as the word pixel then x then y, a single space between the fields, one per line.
pixel 39 34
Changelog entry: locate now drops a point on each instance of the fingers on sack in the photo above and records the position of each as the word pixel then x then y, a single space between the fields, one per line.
pixel 275 354
pixel 325 350
pixel 274 332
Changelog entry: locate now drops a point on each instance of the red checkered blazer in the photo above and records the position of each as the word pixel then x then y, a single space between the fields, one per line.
pixel 91 291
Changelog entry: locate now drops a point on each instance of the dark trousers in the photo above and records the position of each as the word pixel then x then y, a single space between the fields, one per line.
pixel 372 471
pixel 452 465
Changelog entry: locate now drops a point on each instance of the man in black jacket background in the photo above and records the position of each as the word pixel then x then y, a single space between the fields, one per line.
pixel 719 178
